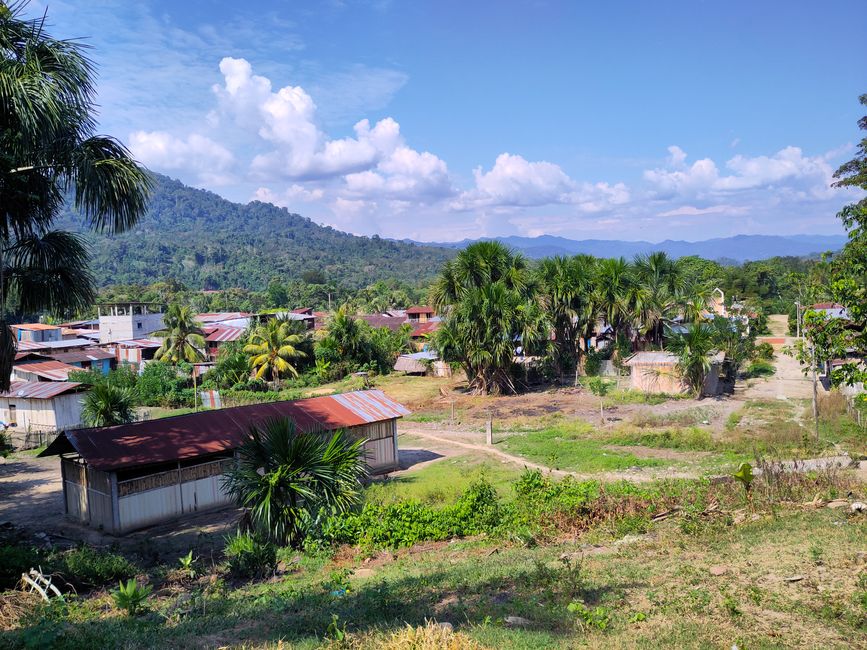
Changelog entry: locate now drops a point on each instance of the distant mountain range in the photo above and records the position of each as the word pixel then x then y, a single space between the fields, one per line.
pixel 740 248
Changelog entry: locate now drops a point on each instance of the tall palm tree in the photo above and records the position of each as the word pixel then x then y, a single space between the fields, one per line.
pixel 48 151
pixel 491 307
pixel 272 348
pixel 347 334
pixel 566 285
pixel 285 478
pixel 106 404
pixel 183 338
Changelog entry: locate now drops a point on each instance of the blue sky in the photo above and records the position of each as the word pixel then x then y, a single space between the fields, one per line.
pixel 444 120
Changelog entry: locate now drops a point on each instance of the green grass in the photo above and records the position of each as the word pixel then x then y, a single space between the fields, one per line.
pixel 568 448
pixel 441 482
pixel 663 578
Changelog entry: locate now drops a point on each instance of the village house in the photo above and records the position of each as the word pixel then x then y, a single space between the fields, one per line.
pixel 123 321
pixel 136 352
pixel 421 314
pixel 33 412
pixel 86 359
pixel 129 476
pixel 217 336
pixel 37 332
pixel 657 372
pixel 30 369
pixel 830 310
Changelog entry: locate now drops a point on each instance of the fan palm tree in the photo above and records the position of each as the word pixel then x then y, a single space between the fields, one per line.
pixel 105 405
pixel 272 348
pixel 48 152
pixel 183 338
pixel 285 478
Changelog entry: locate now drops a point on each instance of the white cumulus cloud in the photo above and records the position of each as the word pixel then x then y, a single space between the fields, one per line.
pixel 195 153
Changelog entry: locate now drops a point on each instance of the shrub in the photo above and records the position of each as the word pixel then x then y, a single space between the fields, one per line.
pixel 131 596
pixel 92 567
pixel 250 557
pixel 764 352
pixel 760 368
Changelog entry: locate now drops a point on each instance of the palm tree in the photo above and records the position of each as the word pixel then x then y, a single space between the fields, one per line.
pixel 692 349
pixel 490 303
pixel 49 151
pixel 183 338
pixel 272 347
pixel 566 285
pixel 284 478
pixel 348 335
pixel 106 404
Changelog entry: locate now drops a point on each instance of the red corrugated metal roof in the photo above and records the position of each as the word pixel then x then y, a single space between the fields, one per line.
pixel 420 310
pixel 827 305
pixel 222 333
pixel 51 370
pixel 423 329
pixel 40 389
pixel 393 323
pixel 198 434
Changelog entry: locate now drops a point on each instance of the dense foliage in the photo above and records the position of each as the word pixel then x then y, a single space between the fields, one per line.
pixel 49 151
pixel 206 242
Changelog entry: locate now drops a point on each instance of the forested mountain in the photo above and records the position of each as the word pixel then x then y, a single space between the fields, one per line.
pixel 739 248
pixel 207 242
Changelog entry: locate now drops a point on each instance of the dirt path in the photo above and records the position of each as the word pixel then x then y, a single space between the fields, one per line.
pixel 446 441
pixel 788 382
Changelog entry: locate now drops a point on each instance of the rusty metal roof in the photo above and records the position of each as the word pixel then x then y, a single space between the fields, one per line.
pixel 51 370
pixel 223 333
pixel 420 309
pixel 80 356
pixel 424 329
pixel 198 434
pixel 35 326
pixel 40 389
pixel 217 317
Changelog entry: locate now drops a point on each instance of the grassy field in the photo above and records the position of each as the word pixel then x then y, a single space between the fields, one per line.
pixel 785 580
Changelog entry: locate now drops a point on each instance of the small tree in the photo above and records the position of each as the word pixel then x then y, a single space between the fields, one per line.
pixel 600 387
pixel 286 477
pixel 106 404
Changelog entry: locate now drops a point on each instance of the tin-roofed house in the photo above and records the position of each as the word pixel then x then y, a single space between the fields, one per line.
pixel 129 476
pixel 34 412
pixel 657 372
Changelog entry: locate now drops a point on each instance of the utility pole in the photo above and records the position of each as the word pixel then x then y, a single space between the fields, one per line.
pixel 815 392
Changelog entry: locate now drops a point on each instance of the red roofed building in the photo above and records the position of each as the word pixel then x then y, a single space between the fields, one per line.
pixel 217 336
pixel 33 412
pixel 129 476
pixel 420 314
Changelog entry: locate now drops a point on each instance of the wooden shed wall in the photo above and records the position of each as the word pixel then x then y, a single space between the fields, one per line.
pixel 380 450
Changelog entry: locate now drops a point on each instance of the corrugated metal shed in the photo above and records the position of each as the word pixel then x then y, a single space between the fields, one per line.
pixel 198 434
pixel 51 370
pixel 40 389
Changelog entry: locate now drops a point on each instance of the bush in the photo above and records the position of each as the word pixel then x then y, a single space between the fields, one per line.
pixel 593 363
pixel 760 369
pixel 160 385
pixel 87 566
pixel 764 352
pixel 250 557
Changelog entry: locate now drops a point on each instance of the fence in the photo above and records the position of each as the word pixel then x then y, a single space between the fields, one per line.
pixel 33 437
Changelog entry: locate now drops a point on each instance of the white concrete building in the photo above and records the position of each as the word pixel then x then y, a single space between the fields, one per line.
pixel 128 320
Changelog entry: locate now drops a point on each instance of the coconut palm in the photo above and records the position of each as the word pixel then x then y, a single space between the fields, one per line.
pixel 49 152
pixel 183 338
pixel 106 404
pixel 692 349
pixel 272 348
pixel 285 478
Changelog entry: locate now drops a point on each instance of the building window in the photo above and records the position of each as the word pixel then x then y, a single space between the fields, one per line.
pixel 13 417
pixel 138 325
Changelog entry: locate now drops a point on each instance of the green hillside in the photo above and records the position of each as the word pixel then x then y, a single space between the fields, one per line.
pixel 207 242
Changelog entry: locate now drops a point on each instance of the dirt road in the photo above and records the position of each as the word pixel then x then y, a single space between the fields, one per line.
pixel 788 382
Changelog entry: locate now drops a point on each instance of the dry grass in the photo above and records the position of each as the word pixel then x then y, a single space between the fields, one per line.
pixel 15 606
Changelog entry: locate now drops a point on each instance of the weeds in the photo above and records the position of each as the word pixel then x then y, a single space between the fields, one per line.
pixel 131 596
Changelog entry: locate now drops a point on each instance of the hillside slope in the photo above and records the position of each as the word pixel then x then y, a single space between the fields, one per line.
pixel 207 242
